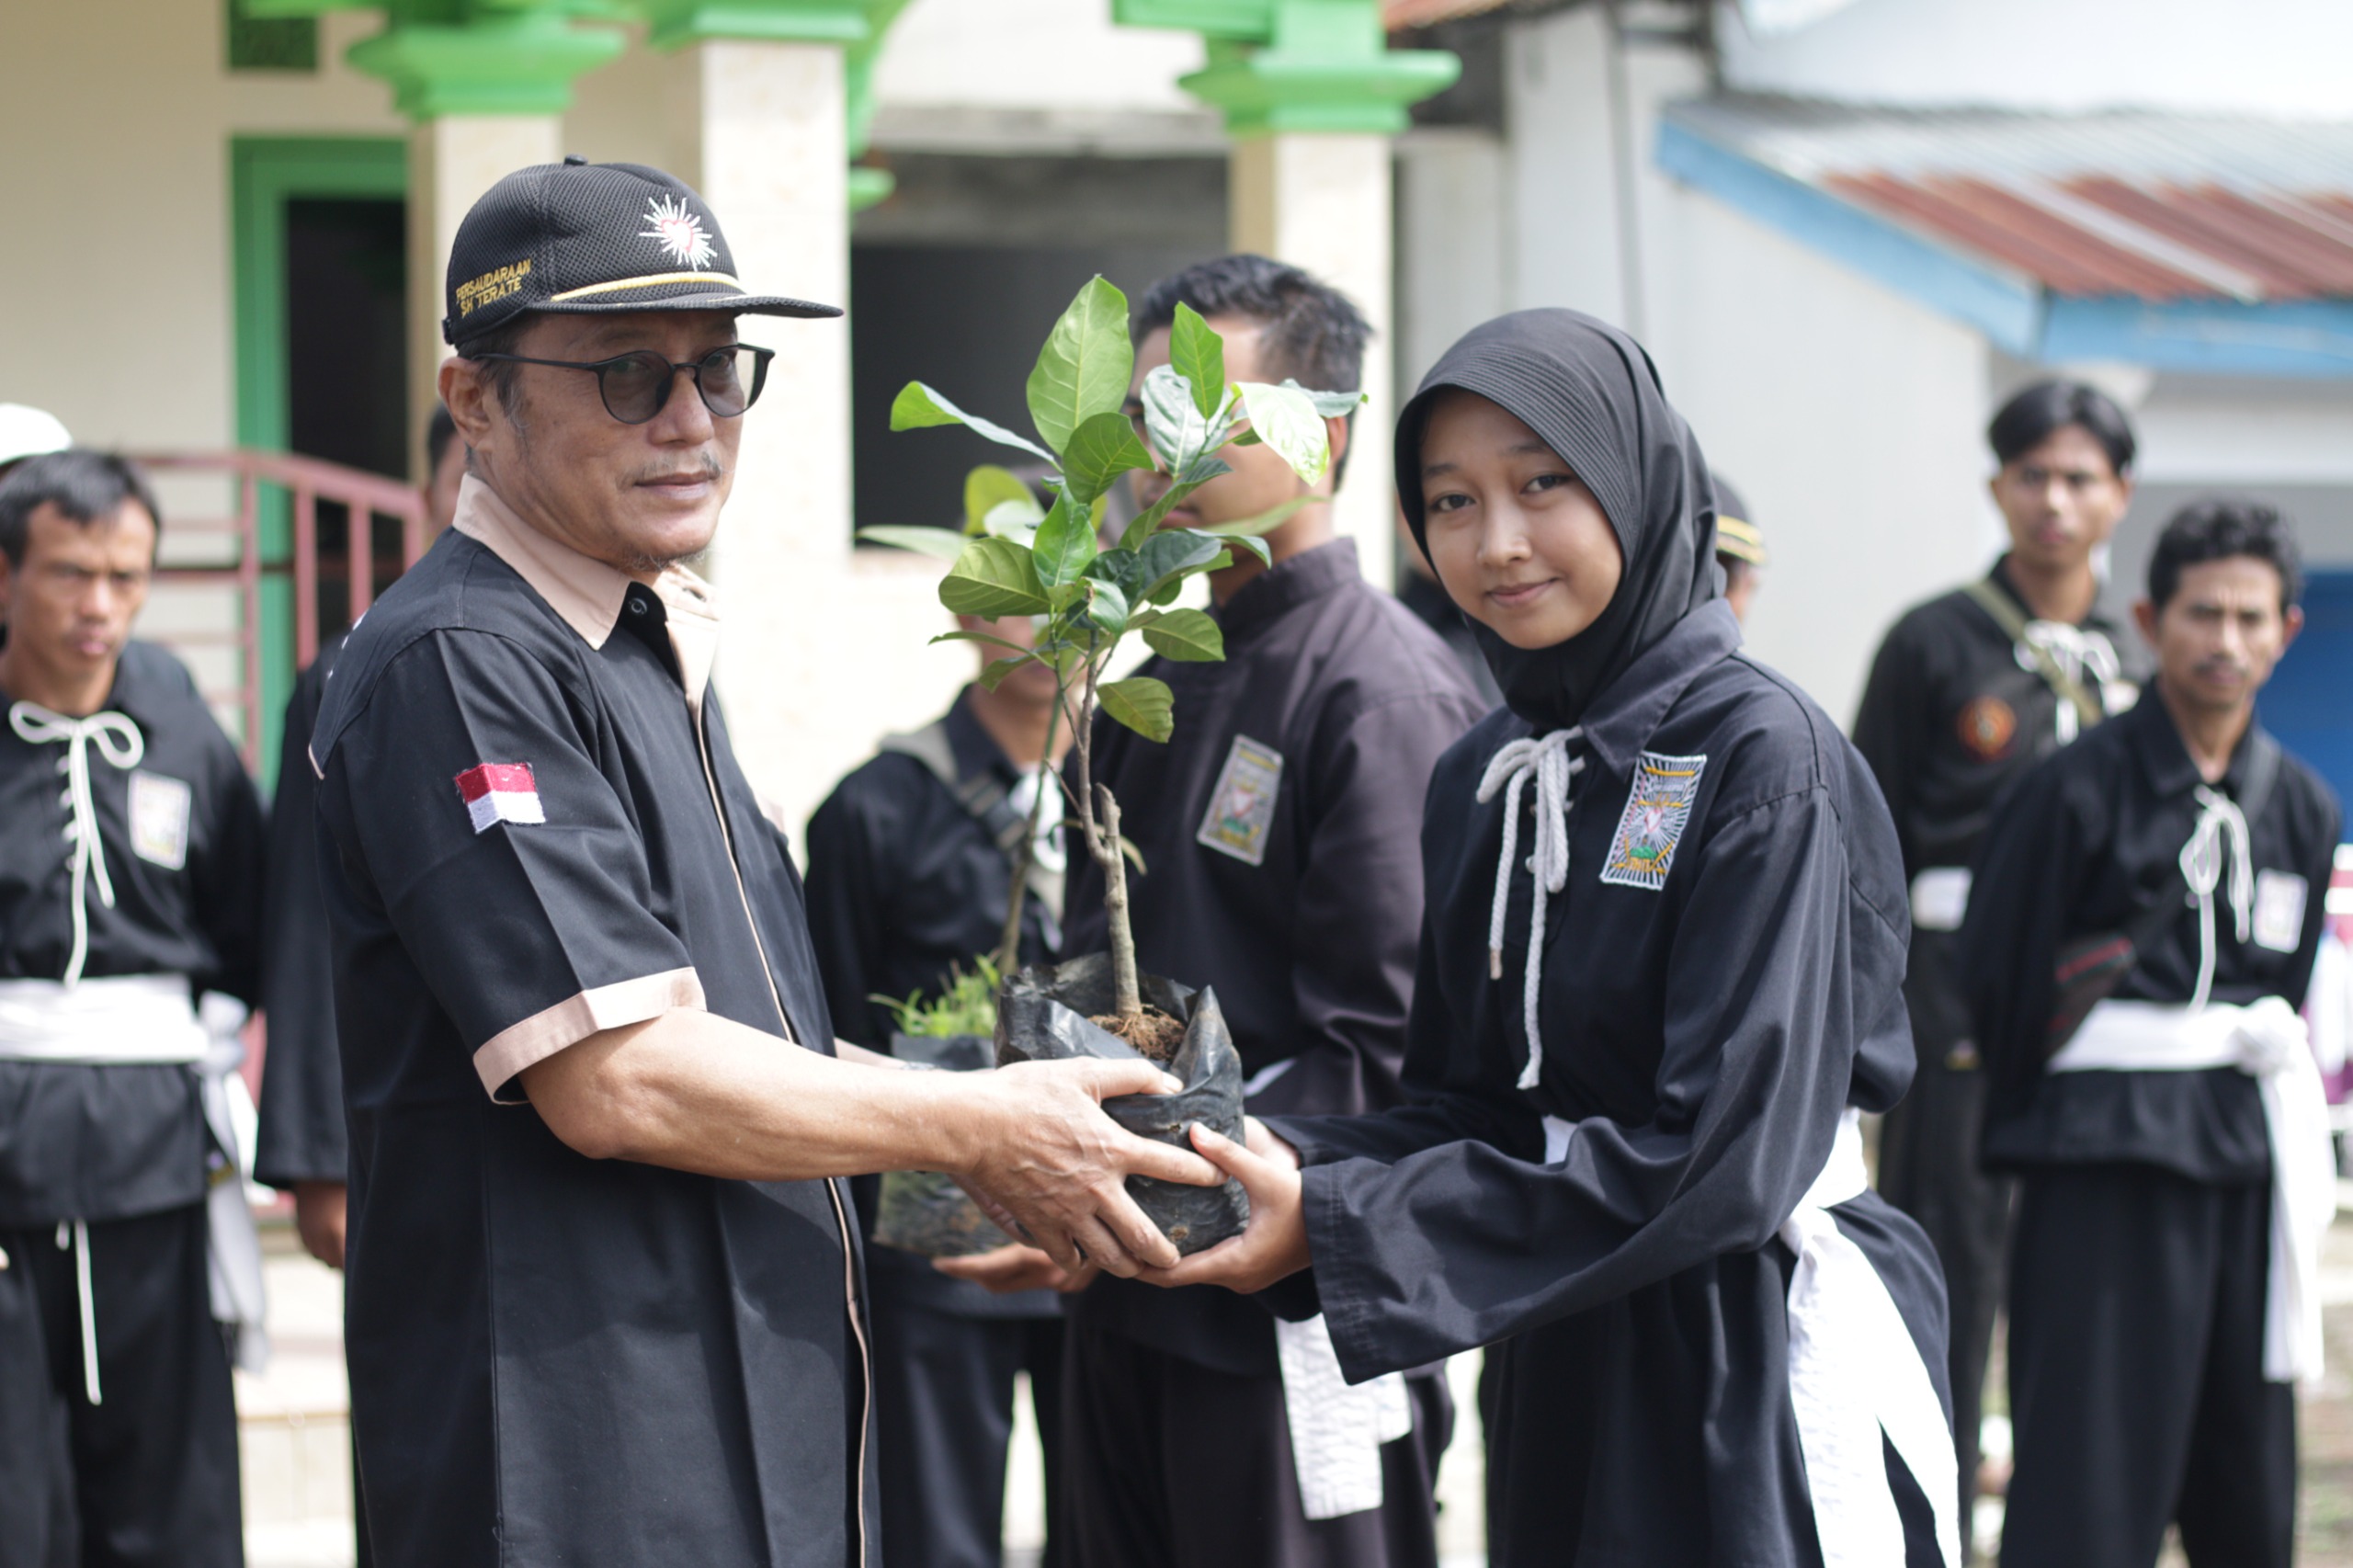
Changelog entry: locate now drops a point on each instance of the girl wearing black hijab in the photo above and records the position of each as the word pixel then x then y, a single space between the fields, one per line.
pixel 1633 1166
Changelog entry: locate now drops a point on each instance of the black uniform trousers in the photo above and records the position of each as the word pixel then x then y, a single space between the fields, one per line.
pixel 1138 1418
pixel 943 1391
pixel 149 1475
pixel 2136 1374
pixel 1929 1168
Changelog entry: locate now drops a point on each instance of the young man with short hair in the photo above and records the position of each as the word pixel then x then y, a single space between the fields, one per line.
pixel 130 886
pixel 1280 830
pixel 2148 905
pixel 1967 692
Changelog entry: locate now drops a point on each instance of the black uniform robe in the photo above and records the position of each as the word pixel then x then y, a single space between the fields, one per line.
pixel 1949 720
pixel 2136 1325
pixel 555 1358
pixel 122 1147
pixel 1309 947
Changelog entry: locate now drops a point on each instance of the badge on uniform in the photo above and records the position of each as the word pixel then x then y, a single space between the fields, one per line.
pixel 2279 910
pixel 500 791
pixel 1242 807
pixel 159 814
pixel 1658 807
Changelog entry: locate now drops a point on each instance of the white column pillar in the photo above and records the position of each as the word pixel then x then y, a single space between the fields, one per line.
pixel 765 124
pixel 452 159
pixel 1321 202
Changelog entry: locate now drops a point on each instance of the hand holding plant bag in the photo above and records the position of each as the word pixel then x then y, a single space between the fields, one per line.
pixel 1017 558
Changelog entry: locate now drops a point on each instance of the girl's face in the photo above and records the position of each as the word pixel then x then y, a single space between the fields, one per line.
pixel 1518 541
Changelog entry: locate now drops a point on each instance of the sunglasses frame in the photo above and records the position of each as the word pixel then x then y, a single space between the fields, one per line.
pixel 760 357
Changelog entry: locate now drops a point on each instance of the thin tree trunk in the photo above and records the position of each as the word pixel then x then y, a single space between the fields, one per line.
pixel 1100 815
pixel 1025 855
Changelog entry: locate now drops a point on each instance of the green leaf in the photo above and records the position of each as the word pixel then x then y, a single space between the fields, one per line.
pixel 1121 566
pixel 1064 543
pixel 1082 369
pixel 1135 856
pixel 1331 404
pixel 992 677
pixel 1107 607
pixel 1151 518
pixel 959 635
pixel 1172 556
pixel 918 407
pixel 989 486
pixel 1179 430
pixel 1285 418
pixel 1255 545
pixel 1188 636
pixel 1101 449
pixel 1198 355
pixel 1016 520
pixel 994 577
pixel 1142 704
pixel 1264 523
pixel 944 543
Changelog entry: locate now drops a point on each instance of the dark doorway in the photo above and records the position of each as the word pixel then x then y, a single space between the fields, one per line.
pixel 347 350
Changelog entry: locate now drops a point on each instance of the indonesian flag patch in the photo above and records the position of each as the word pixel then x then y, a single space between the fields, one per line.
pixel 500 791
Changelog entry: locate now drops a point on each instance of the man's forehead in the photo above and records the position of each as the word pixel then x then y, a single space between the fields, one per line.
pixel 1241 337
pixel 620 332
pixel 2229 577
pixel 49 531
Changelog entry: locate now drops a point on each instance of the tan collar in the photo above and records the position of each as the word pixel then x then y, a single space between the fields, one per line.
pixel 586 592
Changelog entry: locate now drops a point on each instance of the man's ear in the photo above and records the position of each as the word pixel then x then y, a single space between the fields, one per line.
pixel 1335 432
pixel 2144 616
pixel 468 398
pixel 2293 622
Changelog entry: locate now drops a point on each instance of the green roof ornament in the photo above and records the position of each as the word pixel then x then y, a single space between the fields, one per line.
pixel 1299 65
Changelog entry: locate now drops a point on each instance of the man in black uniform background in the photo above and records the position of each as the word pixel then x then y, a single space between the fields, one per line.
pixel 603 1294
pixel 130 884
pixel 1280 830
pixel 2149 902
pixel 301 1147
pixel 910 868
pixel 1966 693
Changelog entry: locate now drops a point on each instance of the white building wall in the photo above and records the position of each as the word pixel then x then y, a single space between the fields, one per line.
pixel 2274 58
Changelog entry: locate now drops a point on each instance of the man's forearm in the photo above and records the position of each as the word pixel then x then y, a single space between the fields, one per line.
pixel 695 1092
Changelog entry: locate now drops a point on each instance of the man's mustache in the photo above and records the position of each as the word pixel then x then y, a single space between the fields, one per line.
pixel 709 468
pixel 2210 669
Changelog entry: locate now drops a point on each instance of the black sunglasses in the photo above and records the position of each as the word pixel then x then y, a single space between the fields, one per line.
pixel 635 386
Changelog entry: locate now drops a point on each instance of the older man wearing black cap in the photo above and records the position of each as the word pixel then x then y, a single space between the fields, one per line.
pixel 603 1288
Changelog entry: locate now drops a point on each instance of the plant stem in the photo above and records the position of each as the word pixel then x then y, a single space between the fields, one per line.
pixel 1099 813
pixel 1025 853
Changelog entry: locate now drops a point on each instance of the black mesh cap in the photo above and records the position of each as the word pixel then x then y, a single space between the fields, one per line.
pixel 577 236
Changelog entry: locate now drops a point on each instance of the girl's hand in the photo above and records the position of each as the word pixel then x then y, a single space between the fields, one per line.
pixel 1274 1245
pixel 1009 1270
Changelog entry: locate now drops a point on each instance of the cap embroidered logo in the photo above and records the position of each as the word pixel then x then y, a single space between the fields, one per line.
pixel 500 791
pixel 678 231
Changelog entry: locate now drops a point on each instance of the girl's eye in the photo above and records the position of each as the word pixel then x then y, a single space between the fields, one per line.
pixel 1445 503
pixel 1548 481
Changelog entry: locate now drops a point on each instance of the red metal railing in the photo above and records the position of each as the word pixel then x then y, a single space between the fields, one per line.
pixel 306 482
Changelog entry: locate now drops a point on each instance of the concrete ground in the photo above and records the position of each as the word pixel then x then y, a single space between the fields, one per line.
pixel 296 1436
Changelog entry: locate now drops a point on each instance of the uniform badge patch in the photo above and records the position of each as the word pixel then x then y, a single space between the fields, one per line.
pixel 1987 725
pixel 2279 910
pixel 1658 807
pixel 1242 807
pixel 159 813
pixel 500 791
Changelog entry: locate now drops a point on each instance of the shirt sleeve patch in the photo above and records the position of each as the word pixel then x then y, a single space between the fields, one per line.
pixel 1658 807
pixel 500 791
pixel 1242 808
pixel 2279 910
pixel 159 813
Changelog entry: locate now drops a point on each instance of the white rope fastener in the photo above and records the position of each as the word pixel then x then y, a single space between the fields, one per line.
pixel 2201 866
pixel 121 744
pixel 74 1235
pixel 2076 651
pixel 1546 759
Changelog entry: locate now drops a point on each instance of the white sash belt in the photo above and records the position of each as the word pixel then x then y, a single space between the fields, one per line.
pixel 1855 1375
pixel 117 1021
pixel 1336 1429
pixel 2267 1041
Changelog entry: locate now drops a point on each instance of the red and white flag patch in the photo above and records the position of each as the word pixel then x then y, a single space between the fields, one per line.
pixel 500 791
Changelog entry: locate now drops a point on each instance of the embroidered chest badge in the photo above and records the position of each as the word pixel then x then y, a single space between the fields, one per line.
pixel 500 791
pixel 1658 807
pixel 1242 808
pixel 2279 898
pixel 159 814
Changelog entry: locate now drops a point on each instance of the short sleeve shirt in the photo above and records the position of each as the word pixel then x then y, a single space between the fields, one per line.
pixel 533 829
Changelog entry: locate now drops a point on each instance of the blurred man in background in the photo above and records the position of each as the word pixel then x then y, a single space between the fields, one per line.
pixel 1740 548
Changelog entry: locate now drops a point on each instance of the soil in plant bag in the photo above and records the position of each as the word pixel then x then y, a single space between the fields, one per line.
pixel 923 1212
pixel 1048 1013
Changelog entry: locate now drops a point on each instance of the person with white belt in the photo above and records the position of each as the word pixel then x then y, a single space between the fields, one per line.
pixel 1660 977
pixel 131 874
pixel 1968 692
pixel 2147 909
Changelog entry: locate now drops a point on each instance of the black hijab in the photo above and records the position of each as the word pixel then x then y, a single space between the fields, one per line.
pixel 1594 396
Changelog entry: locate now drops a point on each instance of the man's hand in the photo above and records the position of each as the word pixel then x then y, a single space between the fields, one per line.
pixel 1009 1270
pixel 1274 1245
pixel 319 1211
pixel 1044 1155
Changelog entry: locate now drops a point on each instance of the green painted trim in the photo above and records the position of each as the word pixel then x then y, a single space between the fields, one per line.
pixel 677 23
pixel 1265 91
pixel 264 173
pixel 504 64
pixel 1244 21
pixel 869 187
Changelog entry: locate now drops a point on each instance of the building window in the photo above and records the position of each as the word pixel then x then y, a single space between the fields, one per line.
pixel 269 43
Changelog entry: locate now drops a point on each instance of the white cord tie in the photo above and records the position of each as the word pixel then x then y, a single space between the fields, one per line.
pixel 2079 653
pixel 2201 868
pixel 1546 758
pixel 74 1235
pixel 121 744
